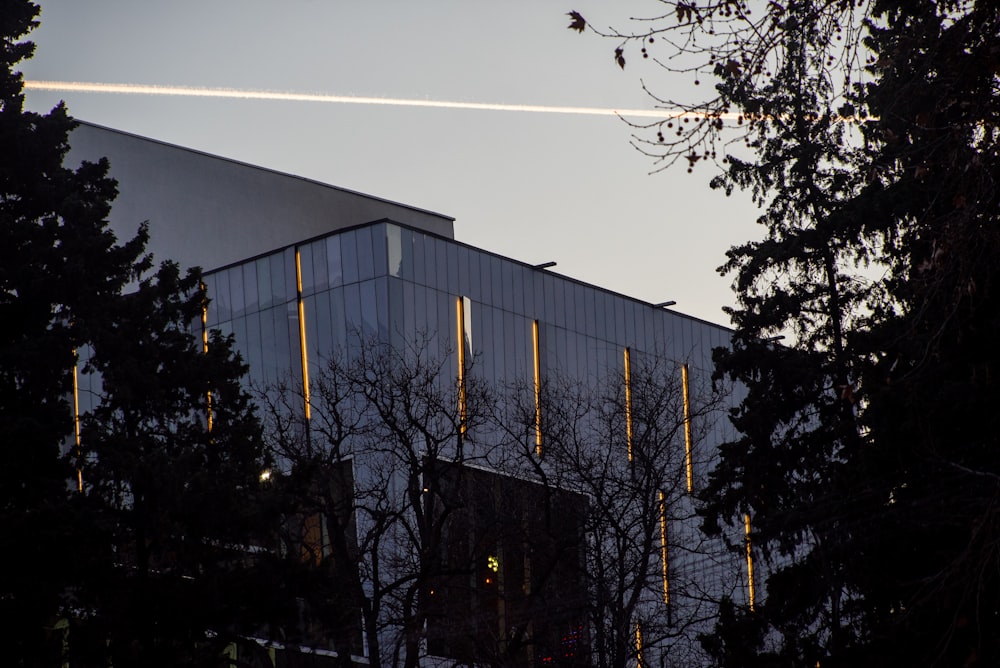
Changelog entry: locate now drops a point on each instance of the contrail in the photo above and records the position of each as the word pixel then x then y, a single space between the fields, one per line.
pixel 189 91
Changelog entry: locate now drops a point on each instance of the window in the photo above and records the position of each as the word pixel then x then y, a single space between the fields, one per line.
pixel 511 587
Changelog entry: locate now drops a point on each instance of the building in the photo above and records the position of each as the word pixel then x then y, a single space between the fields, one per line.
pixel 561 520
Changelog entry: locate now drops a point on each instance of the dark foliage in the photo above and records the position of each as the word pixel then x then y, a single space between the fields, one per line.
pixel 132 544
pixel 868 448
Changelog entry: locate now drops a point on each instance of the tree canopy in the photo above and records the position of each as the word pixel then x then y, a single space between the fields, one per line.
pixel 128 530
pixel 867 456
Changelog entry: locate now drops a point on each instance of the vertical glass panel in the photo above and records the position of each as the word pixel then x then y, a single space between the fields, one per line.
pixel 306 267
pixel 225 293
pixel 499 350
pixel 570 356
pixel 660 332
pixel 252 347
pixel 619 311
pixel 419 259
pixel 382 308
pixel 475 276
pixel 600 315
pixel 649 330
pixel 352 313
pixel 238 303
pixel 420 312
pixel 517 287
pixel 366 254
pixel 338 322
pixel 496 282
pixel 441 252
pixel 321 279
pixel 431 267
pixel 445 327
pixel 509 347
pixel 394 319
pixel 310 307
pixel 251 298
pixel 507 276
pixel 269 346
pixel 590 311
pixel 569 304
pixel 485 341
pixel 289 351
pixel 464 281
pixel 279 283
pixel 406 246
pixel 580 308
pixel 288 289
pixel 564 352
pixel 379 249
pixel 452 284
pixel 563 295
pixel 548 285
pixel 527 284
pixel 582 358
pixel 321 346
pixel 628 322
pixel 394 250
pixel 538 292
pixel 349 256
pixel 523 349
pixel 334 263
pixel 486 279
pixel 264 282
pixel 409 323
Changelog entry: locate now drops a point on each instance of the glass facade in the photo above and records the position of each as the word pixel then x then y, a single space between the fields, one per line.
pixel 494 319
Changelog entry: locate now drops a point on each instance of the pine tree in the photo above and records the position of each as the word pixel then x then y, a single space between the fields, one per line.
pixel 134 544
pixel 59 264
pixel 867 448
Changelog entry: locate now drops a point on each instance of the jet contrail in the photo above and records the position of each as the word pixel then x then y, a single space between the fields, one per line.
pixel 189 91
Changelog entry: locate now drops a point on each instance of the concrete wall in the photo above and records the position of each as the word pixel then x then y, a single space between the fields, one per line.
pixel 209 211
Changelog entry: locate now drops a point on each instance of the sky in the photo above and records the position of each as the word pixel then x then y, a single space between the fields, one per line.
pixel 532 186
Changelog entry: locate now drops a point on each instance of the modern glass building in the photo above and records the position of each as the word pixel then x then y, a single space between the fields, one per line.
pixel 602 428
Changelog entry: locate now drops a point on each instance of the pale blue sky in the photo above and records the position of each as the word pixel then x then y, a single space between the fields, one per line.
pixel 535 187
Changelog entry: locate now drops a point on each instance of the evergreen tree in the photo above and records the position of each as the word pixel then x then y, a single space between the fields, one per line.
pixel 136 545
pixel 867 450
pixel 171 463
pixel 59 264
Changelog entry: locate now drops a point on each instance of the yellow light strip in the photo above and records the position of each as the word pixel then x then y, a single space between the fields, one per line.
pixel 460 337
pixel 204 350
pixel 302 336
pixel 76 424
pixel 750 582
pixel 538 388
pixel 628 403
pixel 663 547
pixel 638 646
pixel 688 456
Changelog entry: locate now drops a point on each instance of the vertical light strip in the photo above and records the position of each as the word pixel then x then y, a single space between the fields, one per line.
pixel 538 388
pixel 76 423
pixel 460 339
pixel 628 403
pixel 750 583
pixel 688 456
pixel 204 350
pixel 302 335
pixel 663 547
pixel 638 646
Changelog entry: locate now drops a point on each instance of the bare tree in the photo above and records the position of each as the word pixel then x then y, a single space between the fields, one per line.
pixel 371 474
pixel 636 451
